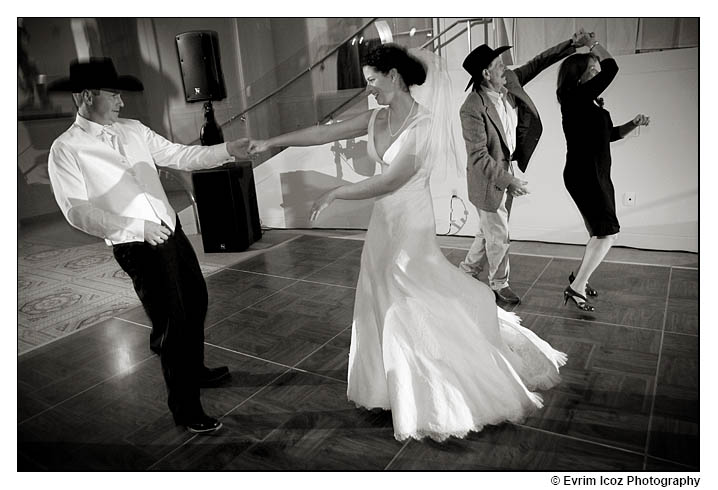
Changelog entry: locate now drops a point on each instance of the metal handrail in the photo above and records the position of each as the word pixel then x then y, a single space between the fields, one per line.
pixel 469 22
pixel 289 82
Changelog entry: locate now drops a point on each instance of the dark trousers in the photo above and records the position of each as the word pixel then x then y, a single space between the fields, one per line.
pixel 169 282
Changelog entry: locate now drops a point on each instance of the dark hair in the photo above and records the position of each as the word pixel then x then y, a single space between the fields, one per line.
pixel 387 56
pixel 571 71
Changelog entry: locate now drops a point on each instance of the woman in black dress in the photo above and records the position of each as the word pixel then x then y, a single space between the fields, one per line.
pixel 587 175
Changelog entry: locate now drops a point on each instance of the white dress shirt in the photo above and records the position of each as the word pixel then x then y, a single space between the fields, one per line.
pixel 507 114
pixel 105 178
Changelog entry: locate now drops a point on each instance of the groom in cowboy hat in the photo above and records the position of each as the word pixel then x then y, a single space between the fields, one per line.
pixel 500 124
pixel 103 171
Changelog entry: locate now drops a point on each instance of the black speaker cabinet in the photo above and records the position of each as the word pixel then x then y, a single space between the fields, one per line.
pixel 200 64
pixel 227 206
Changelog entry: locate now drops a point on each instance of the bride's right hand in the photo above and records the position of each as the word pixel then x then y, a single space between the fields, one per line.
pixel 321 204
pixel 258 146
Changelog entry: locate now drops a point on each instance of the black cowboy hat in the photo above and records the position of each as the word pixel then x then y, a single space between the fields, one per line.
pixel 95 73
pixel 480 59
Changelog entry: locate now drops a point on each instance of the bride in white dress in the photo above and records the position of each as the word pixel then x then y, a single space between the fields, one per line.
pixel 428 342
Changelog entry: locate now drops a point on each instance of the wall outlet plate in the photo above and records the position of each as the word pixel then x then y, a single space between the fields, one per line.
pixel 629 198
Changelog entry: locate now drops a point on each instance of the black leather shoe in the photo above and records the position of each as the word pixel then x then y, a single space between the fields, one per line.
pixel 507 296
pixel 212 376
pixel 200 425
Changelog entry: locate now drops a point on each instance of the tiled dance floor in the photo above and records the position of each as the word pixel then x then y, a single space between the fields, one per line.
pixel 280 320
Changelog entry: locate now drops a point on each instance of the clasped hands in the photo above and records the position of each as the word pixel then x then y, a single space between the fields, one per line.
pixel 246 147
pixel 582 38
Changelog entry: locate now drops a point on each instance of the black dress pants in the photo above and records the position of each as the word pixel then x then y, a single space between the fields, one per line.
pixel 170 285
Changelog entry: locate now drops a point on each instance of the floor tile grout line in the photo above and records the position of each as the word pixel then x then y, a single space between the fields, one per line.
pixel 294 367
pixel 233 351
pixel 250 397
pixel 330 263
pixel 320 348
pixel 398 453
pixel 658 369
pixel 133 323
pixel 355 238
pixel 520 313
pixel 86 390
pixel 303 277
pixel 262 274
pixel 565 257
pixel 192 438
pixel 539 276
pixel 678 333
pixel 253 304
pixel 279 245
pixel 294 279
pixel 687 466
pixel 327 284
pixel 318 374
pixel 270 383
pixel 579 439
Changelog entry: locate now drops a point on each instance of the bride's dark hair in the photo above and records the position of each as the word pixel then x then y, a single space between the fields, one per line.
pixel 387 56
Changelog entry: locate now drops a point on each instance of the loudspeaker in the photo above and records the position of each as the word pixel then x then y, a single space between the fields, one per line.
pixel 202 78
pixel 227 207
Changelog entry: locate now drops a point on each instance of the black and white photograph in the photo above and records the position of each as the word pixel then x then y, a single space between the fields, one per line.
pixel 360 244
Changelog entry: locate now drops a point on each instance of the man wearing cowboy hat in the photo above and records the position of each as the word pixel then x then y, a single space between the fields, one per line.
pixel 103 171
pixel 500 123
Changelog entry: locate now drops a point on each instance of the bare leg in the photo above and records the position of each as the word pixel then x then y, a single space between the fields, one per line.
pixel 596 250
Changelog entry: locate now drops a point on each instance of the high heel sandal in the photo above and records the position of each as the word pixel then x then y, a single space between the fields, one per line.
pixel 569 293
pixel 589 290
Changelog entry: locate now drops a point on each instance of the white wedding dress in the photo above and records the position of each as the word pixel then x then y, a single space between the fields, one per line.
pixel 428 341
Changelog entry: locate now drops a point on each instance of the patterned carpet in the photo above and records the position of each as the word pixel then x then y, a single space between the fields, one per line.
pixel 61 291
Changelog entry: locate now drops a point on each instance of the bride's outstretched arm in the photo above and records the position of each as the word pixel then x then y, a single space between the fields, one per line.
pixel 397 175
pixel 316 135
